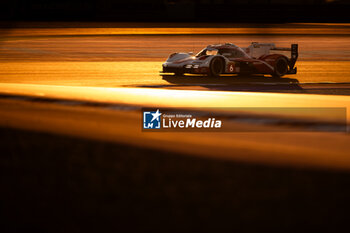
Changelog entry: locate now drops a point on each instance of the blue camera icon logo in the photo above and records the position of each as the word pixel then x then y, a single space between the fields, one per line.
pixel 151 120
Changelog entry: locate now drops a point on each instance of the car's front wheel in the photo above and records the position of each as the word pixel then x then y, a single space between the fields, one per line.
pixel 216 66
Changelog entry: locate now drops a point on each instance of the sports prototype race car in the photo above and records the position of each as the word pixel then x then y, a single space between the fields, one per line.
pixel 228 58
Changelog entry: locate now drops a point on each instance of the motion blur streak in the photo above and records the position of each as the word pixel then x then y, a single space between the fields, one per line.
pixel 173 31
pixel 184 98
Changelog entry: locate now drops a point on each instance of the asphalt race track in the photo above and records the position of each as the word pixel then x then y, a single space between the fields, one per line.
pixel 68 63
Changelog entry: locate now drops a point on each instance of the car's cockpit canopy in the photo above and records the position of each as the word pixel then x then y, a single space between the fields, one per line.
pixel 229 52
pixel 211 51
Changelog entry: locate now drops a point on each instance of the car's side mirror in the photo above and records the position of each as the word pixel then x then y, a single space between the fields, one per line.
pixel 190 53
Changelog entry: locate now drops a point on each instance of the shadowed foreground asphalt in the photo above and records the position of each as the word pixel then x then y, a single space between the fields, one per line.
pixel 52 183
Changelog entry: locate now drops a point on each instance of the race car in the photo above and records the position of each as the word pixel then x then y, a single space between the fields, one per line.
pixel 228 58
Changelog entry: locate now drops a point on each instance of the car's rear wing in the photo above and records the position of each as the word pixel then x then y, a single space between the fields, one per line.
pixel 293 53
pixel 258 49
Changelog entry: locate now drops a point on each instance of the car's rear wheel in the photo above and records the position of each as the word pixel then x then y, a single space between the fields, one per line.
pixel 281 67
pixel 216 66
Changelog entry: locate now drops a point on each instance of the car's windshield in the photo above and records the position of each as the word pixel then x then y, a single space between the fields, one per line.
pixel 227 52
pixel 207 51
pixel 212 52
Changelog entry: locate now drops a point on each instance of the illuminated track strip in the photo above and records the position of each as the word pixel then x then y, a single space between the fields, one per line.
pixel 181 98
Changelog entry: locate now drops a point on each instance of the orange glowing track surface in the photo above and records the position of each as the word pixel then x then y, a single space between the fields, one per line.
pixel 91 69
pixel 182 98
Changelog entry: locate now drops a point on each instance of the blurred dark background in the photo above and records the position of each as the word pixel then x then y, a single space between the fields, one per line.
pixel 232 11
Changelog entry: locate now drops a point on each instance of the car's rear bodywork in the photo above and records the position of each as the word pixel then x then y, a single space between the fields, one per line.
pixel 231 59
